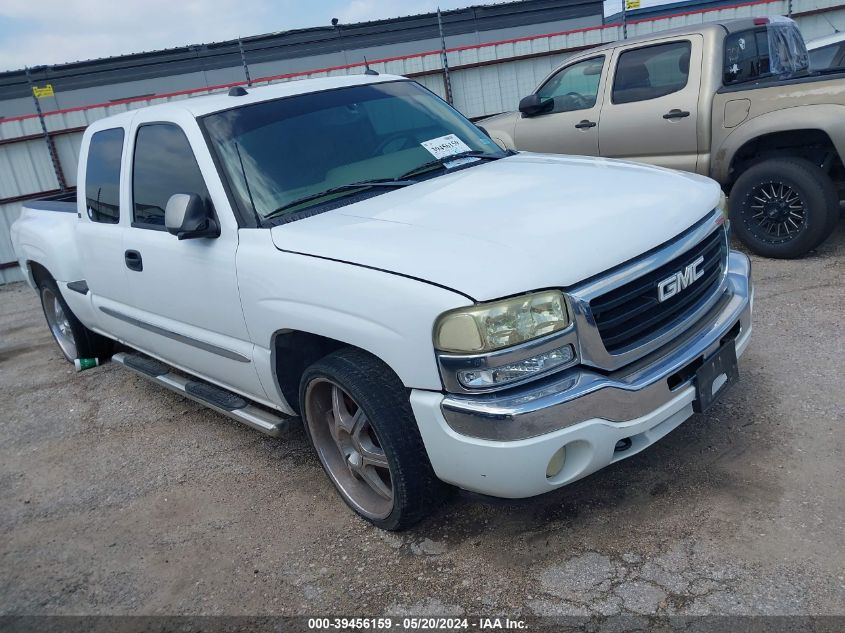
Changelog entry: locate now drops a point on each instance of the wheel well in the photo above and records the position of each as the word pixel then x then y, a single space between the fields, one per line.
pixel 293 353
pixel 812 145
pixel 39 273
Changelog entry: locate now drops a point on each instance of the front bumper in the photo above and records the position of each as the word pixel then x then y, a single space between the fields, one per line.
pixel 501 444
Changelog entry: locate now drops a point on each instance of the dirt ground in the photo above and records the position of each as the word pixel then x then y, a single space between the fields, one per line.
pixel 117 497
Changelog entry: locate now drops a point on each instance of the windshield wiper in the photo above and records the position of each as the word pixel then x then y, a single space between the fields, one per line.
pixel 441 162
pixel 364 184
pixel 399 181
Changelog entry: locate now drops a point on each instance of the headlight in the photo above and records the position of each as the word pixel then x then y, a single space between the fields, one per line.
pixel 491 326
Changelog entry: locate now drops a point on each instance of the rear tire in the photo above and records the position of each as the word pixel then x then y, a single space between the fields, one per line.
pixel 358 417
pixel 783 207
pixel 74 339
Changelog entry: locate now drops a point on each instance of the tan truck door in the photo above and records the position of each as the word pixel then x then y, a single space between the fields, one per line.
pixel 650 108
pixel 570 125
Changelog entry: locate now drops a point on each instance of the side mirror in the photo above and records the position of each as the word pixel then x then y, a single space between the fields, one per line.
pixel 531 105
pixel 187 216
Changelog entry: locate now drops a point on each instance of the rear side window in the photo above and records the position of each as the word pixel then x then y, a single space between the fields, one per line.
pixel 651 72
pixel 102 176
pixel 163 165
pixel 746 56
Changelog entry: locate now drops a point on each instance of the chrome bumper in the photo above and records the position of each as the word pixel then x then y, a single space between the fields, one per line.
pixel 580 393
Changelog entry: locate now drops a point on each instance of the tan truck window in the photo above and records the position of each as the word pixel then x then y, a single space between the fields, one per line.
pixel 651 72
pixel 574 87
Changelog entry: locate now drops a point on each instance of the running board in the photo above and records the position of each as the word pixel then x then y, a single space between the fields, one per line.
pixel 212 396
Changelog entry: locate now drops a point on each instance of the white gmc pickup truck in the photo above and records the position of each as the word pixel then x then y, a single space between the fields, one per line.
pixel 355 252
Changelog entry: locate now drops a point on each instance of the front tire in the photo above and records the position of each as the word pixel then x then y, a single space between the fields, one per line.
pixel 783 207
pixel 74 339
pixel 358 417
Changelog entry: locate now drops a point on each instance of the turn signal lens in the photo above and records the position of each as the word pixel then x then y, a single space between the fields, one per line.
pixel 534 366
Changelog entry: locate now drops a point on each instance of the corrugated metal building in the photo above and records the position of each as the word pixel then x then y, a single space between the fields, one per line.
pixel 489 70
pixel 159 72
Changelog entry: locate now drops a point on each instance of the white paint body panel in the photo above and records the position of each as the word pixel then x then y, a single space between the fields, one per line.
pixel 517 224
pixel 386 314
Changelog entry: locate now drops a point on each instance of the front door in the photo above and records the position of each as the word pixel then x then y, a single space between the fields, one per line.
pixel 570 122
pixel 651 114
pixel 186 291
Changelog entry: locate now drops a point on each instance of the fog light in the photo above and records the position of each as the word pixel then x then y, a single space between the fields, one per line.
pixel 556 463
pixel 534 366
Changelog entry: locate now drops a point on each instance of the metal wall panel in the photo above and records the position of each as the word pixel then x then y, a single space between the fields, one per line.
pixel 26 168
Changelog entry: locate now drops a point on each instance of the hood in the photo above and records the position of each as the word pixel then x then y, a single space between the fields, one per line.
pixel 513 225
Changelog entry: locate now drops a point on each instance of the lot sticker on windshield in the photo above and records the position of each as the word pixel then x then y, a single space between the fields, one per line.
pixel 446 146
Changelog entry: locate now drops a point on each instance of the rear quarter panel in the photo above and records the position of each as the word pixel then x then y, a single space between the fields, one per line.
pixel 47 238
pixel 815 104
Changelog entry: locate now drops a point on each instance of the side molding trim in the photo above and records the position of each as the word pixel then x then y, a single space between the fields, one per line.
pixel 208 347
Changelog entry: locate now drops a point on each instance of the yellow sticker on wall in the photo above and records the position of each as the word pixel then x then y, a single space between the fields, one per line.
pixel 632 4
pixel 46 91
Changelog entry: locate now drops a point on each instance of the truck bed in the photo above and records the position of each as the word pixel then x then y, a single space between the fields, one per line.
pixel 63 203
pixel 832 74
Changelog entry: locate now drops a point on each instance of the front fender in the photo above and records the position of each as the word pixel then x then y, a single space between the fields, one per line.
pixel 385 314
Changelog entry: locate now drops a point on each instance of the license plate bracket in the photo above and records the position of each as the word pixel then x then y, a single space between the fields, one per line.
pixel 715 376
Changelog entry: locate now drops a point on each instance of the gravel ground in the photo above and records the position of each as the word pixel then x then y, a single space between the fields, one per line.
pixel 118 497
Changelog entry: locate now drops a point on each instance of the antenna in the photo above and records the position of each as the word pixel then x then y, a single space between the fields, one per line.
pixel 368 71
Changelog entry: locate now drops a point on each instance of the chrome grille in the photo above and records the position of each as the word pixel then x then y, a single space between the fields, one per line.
pixel 630 314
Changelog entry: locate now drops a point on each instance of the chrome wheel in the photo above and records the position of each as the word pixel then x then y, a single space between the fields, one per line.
pixel 58 322
pixel 776 213
pixel 349 448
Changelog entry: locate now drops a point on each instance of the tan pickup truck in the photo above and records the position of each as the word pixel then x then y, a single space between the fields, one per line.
pixel 732 100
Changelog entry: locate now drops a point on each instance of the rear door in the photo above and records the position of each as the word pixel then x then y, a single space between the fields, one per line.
pixel 570 125
pixel 185 291
pixel 650 114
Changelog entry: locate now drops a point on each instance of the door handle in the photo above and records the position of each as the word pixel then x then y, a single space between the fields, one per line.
pixel 676 114
pixel 133 260
pixel 585 124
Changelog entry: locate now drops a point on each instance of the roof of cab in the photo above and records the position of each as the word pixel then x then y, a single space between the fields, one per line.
pixel 200 106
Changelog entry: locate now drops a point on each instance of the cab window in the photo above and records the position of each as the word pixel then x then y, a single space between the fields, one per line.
pixel 102 176
pixel 651 72
pixel 574 87
pixel 746 56
pixel 163 164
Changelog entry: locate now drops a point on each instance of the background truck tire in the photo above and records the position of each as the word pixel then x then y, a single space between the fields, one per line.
pixel 74 339
pixel 783 207
pixel 372 397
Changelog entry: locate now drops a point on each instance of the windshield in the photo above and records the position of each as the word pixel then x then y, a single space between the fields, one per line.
pixel 293 149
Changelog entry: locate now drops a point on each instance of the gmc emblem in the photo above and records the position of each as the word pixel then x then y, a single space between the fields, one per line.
pixel 671 286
